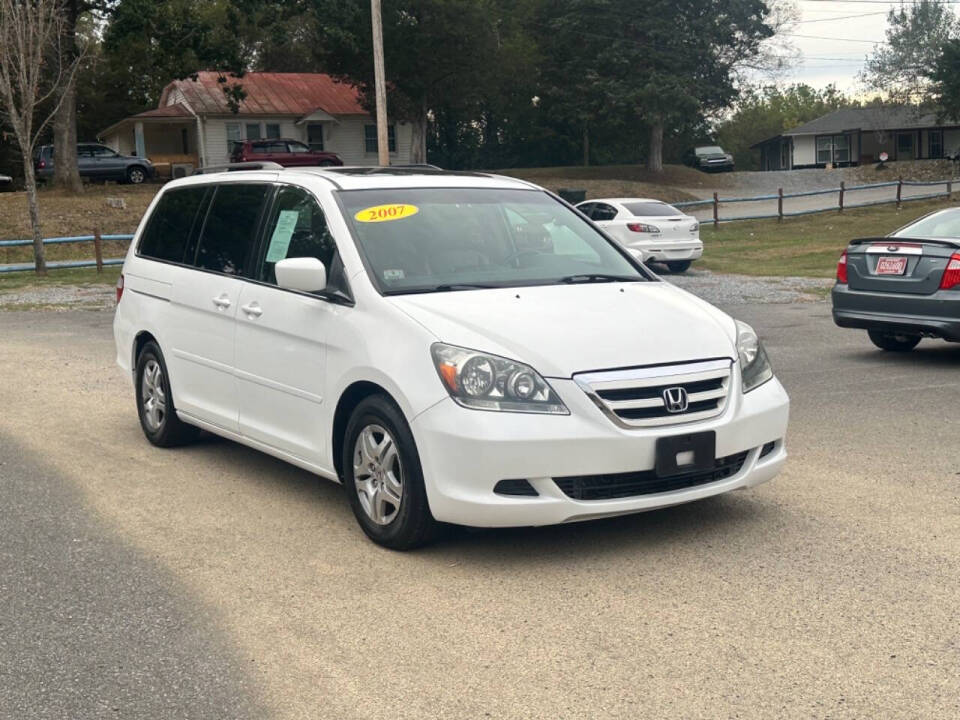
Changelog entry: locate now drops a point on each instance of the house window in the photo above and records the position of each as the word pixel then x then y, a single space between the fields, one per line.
pixel 185 141
pixel 273 130
pixel 936 144
pixel 370 138
pixel 253 131
pixel 315 136
pixel 841 149
pixel 824 150
pixel 905 146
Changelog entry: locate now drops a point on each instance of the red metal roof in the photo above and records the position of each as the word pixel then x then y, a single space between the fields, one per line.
pixel 267 94
pixel 169 111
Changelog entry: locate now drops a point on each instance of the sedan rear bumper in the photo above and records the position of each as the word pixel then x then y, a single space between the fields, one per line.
pixel 936 315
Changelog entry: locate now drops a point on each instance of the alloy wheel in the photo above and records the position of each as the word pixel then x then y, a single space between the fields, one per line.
pixel 152 394
pixel 378 474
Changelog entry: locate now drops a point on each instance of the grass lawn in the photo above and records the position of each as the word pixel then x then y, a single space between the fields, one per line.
pixel 807 246
pixel 69 276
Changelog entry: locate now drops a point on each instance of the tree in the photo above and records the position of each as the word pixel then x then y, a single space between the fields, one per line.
pixel 438 53
pixel 945 79
pixel 32 72
pixel 916 36
pixel 767 111
pixel 630 59
pixel 66 174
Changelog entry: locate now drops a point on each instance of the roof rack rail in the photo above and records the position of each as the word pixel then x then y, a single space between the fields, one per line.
pixel 232 167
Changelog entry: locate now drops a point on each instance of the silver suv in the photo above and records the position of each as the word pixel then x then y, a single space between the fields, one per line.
pixel 98 162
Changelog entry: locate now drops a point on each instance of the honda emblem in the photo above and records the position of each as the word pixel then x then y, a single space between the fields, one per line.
pixel 675 399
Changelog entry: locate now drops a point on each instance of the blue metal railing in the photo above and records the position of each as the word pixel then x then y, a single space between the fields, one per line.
pixel 60 264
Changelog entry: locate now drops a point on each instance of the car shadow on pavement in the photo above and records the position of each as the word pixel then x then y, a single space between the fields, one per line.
pixel 928 354
pixel 93 627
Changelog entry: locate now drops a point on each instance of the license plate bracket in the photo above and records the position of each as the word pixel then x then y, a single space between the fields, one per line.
pixel 678 454
pixel 887 265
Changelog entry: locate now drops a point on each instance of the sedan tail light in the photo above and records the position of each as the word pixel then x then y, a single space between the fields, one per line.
pixel 642 227
pixel 842 269
pixel 951 276
pixel 119 288
pixel 42 164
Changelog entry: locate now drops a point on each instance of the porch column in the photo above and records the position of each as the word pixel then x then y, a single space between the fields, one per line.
pixel 138 141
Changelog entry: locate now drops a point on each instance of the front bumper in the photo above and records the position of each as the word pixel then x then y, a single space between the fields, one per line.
pixel 936 315
pixel 464 453
pixel 669 250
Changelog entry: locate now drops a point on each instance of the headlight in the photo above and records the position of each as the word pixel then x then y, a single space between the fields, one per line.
pixel 489 382
pixel 754 365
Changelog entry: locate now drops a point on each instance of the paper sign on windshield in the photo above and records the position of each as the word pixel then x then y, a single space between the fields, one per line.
pixel 385 213
pixel 280 240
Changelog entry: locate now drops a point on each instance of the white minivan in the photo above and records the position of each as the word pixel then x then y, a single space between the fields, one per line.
pixel 452 347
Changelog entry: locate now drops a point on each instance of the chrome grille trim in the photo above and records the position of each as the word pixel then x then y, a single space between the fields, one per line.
pixel 707 384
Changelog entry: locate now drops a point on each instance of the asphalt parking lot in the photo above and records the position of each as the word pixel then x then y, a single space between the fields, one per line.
pixel 216 582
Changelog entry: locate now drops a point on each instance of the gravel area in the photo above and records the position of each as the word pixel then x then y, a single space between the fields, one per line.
pixel 59 298
pixel 746 289
pixel 714 288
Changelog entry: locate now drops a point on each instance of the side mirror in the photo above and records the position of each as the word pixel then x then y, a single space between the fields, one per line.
pixel 306 274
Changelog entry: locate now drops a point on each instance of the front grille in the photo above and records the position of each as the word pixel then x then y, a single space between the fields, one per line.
pixel 635 397
pixel 645 482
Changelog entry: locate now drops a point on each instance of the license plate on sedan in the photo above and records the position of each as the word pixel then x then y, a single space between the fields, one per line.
pixel 891 265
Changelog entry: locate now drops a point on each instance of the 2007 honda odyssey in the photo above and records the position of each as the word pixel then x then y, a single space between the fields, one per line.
pixel 459 348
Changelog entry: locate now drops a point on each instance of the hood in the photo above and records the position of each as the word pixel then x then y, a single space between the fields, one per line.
pixel 561 330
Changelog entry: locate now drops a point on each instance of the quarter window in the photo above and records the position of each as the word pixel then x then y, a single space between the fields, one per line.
pixel 231 228
pixel 171 224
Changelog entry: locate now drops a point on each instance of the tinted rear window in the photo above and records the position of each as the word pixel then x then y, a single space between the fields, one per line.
pixel 171 224
pixel 651 209
pixel 231 228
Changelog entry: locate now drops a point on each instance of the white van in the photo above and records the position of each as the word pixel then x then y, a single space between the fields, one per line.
pixel 452 347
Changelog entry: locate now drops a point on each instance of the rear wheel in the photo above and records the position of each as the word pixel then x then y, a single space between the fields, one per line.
pixel 679 266
pixel 136 175
pixel 383 478
pixel 158 416
pixel 894 342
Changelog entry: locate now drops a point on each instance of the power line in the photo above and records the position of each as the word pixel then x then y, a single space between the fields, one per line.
pixel 842 17
pixel 823 37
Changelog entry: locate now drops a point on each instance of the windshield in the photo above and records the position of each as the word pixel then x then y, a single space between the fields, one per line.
pixel 940 225
pixel 651 209
pixel 709 150
pixel 439 239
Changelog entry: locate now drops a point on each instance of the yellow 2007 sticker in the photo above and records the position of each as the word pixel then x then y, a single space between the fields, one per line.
pixel 385 213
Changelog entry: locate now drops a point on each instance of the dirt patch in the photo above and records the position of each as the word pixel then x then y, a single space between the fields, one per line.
pixel 63 214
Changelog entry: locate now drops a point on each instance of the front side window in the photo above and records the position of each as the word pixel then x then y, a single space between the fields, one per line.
pixel 297 147
pixel 171 224
pixel 370 138
pixel 297 228
pixel 603 212
pixel 430 240
pixel 230 228
pixel 103 152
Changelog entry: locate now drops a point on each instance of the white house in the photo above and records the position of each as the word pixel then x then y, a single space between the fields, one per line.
pixel 194 125
pixel 858 135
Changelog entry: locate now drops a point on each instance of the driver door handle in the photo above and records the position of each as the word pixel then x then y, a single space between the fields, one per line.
pixel 253 309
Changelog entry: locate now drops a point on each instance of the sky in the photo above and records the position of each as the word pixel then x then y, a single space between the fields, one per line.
pixel 833 37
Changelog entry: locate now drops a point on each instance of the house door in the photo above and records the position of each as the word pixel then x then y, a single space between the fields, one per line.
pixel 315 136
pixel 905 146
pixel 785 155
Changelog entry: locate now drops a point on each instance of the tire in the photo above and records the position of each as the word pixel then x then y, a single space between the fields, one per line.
pixel 159 420
pixel 136 175
pixel 893 342
pixel 679 266
pixel 384 483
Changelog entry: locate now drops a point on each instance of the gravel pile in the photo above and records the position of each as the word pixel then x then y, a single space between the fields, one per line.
pixel 726 290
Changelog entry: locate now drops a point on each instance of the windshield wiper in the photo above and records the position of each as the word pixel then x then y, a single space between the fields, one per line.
pixel 461 286
pixel 598 277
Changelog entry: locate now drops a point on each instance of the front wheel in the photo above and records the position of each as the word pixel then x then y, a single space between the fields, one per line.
pixel 383 478
pixel 894 342
pixel 136 175
pixel 679 266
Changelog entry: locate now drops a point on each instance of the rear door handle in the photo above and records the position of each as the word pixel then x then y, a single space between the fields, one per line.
pixel 222 302
pixel 252 309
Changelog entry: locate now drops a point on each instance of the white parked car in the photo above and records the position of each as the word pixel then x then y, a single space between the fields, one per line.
pixel 457 348
pixel 658 230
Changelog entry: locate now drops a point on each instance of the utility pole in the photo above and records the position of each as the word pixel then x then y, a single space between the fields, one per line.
pixel 380 89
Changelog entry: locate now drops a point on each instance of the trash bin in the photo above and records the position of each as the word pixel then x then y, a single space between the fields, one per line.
pixel 572 195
